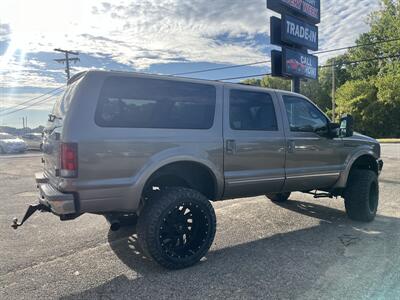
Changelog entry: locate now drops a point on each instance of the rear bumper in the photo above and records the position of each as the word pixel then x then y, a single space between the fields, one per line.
pixel 59 203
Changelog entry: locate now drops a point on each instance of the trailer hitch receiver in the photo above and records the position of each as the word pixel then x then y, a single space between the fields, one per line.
pixel 29 212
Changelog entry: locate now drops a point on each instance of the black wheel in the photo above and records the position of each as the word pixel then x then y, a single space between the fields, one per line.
pixel 362 195
pixel 280 197
pixel 177 227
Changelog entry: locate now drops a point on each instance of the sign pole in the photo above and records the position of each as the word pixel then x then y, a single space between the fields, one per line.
pixel 296 85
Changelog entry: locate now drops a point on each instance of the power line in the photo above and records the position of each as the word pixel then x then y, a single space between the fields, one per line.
pixel 30 100
pixel 241 77
pixel 268 61
pixel 358 46
pixel 30 105
pixel 361 60
pixel 221 68
pixel 324 66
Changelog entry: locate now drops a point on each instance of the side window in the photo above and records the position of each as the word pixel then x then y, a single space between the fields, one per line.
pixel 251 111
pixel 303 116
pixel 153 103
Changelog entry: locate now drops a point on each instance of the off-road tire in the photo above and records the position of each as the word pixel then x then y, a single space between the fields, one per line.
pixel 362 195
pixel 152 222
pixel 279 198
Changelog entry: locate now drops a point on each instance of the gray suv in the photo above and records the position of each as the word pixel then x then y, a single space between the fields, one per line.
pixel 155 150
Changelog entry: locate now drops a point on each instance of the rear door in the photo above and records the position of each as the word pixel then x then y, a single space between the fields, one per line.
pixel 52 134
pixel 254 143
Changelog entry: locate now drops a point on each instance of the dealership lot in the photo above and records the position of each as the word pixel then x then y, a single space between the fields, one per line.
pixel 305 249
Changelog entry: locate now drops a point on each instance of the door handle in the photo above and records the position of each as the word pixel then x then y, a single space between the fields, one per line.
pixel 230 146
pixel 291 145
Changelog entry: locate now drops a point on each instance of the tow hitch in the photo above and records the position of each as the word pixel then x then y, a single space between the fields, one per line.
pixel 29 212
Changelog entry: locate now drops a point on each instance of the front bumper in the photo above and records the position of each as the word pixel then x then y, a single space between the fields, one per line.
pixel 59 203
pixel 380 165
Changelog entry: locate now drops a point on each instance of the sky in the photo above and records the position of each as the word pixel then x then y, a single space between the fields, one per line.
pixel 152 36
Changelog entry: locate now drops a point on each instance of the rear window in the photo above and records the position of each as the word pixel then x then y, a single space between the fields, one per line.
pixel 154 103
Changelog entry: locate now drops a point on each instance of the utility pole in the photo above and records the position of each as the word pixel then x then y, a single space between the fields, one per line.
pixel 67 59
pixel 333 91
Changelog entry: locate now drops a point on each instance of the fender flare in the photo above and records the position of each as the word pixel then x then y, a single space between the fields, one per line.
pixel 344 175
pixel 148 170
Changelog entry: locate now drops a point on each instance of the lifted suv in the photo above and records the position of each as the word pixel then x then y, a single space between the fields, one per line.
pixel 158 149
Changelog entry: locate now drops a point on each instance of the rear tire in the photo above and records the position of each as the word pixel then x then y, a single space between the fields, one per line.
pixel 279 198
pixel 177 227
pixel 362 195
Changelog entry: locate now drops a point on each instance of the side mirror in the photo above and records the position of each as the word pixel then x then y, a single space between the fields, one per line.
pixel 346 126
pixel 333 130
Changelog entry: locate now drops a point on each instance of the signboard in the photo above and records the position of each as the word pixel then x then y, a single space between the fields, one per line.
pixel 276 31
pixel 276 63
pixel 295 31
pixel 310 10
pixel 299 64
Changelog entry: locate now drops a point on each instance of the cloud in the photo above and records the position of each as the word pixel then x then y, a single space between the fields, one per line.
pixel 5 32
pixel 10 100
pixel 139 34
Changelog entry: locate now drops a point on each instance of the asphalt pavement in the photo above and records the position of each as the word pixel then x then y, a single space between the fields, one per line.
pixel 303 249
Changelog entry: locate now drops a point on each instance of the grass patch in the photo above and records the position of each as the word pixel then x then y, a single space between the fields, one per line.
pixel 389 141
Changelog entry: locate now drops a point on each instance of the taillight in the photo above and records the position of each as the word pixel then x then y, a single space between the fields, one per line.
pixel 69 160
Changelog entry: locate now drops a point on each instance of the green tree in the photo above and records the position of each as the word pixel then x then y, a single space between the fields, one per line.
pixel 385 24
pixel 374 103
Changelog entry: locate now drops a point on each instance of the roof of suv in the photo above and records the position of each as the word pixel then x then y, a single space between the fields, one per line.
pixel 171 77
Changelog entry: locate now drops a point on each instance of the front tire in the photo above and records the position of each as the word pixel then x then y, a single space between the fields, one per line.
pixel 362 195
pixel 177 227
pixel 279 198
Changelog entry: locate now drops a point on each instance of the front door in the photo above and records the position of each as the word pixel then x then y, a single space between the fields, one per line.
pixel 254 140
pixel 313 160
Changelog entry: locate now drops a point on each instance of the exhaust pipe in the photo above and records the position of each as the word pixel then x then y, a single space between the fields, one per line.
pixel 115 224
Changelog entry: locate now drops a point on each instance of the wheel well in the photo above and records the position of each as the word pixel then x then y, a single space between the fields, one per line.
pixel 365 162
pixel 187 174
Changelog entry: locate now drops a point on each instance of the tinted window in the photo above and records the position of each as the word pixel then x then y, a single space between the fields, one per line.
pixel 251 111
pixel 154 103
pixel 302 115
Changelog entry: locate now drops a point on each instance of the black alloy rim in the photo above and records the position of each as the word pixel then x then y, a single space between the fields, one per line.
pixel 184 230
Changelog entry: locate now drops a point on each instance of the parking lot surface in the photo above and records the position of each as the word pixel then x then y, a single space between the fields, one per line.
pixel 303 249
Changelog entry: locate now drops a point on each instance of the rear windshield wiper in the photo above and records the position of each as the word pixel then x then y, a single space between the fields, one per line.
pixel 53 117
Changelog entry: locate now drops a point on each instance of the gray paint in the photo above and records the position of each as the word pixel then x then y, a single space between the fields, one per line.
pixel 115 163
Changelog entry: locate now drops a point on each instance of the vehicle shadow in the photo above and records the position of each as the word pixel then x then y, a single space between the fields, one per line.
pixel 285 265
